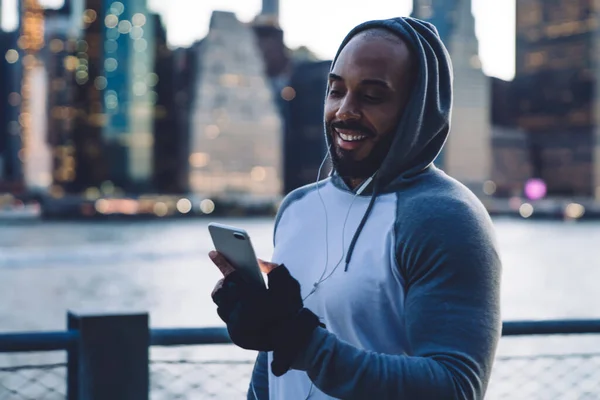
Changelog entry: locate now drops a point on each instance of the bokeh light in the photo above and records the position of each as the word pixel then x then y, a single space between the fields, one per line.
pixel 535 189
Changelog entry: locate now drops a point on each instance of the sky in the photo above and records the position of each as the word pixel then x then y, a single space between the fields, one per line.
pixel 322 24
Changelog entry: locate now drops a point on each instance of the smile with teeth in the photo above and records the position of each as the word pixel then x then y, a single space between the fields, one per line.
pixel 351 137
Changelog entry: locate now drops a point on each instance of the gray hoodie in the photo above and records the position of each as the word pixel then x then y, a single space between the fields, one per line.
pixel 412 296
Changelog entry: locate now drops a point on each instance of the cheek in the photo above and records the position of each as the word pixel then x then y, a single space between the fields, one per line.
pixel 385 123
pixel 329 111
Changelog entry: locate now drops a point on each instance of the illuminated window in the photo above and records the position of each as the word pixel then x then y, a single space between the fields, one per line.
pixel 124 27
pixel 212 131
pixel 57 45
pixel 535 60
pixel 89 16
pixel 258 174
pixel 14 99
pixel 199 160
pixel 100 83
pixel 136 33
pixel 12 56
pixel 117 8
pixel 71 63
pixel 111 64
pixel 81 77
pixel 111 46
pixel 112 34
pixel 140 88
pixel 138 19
pixel 111 21
pixel 140 45
pixel 230 80
pixel 288 93
pixel 529 14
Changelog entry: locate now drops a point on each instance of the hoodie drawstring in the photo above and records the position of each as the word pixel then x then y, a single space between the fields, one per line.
pixel 363 221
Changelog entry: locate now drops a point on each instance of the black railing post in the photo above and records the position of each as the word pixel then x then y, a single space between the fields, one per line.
pixel 110 360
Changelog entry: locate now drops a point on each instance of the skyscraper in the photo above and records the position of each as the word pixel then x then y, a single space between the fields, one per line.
pixel 236 128
pixel 511 166
pixel 170 135
pixel 269 13
pixel 129 96
pixel 467 154
pixel 270 7
pixel 111 138
pixel 35 152
pixel 441 13
pixel 276 56
pixel 557 92
pixel 304 143
pixel 82 157
pixel 60 33
pixel 11 167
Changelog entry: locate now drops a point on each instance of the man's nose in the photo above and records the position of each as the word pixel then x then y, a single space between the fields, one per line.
pixel 348 110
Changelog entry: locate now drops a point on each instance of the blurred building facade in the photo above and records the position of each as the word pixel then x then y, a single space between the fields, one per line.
pixel 11 166
pixel 60 32
pixel 236 128
pixel 276 56
pixel 175 76
pixel 556 89
pixel 76 145
pixel 304 141
pixel 129 97
pixel 510 145
pixel 81 163
pixel 298 80
pixel 467 153
pixel 35 153
pixel 101 114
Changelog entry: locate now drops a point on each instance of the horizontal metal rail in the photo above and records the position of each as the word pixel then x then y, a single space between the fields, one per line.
pixel 38 341
pixel 551 327
pixel 55 341
pixel 189 336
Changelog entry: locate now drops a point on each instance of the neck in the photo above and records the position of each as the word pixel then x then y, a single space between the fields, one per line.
pixel 354 183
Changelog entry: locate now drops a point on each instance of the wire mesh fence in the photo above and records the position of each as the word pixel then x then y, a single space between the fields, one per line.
pixel 543 377
pixel 33 382
pixel 546 377
pixel 188 379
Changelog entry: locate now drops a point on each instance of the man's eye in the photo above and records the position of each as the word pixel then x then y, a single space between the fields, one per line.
pixel 335 93
pixel 373 99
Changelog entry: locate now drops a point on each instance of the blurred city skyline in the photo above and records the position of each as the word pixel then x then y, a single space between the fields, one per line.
pixel 97 105
pixel 189 22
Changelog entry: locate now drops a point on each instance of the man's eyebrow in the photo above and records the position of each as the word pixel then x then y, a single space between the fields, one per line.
pixel 374 82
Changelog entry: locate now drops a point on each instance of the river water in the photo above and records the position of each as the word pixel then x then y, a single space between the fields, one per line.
pixel 551 270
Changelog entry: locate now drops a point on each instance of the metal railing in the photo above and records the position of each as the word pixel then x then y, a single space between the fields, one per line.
pixel 108 356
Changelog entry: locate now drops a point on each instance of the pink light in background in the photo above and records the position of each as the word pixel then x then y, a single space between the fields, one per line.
pixel 535 189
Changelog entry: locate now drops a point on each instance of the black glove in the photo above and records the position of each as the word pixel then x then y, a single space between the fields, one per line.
pixel 267 320
pixel 239 306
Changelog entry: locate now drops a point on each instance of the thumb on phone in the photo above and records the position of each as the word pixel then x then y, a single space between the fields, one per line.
pixel 266 266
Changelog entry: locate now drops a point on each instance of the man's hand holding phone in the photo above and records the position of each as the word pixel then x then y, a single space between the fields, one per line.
pixel 272 319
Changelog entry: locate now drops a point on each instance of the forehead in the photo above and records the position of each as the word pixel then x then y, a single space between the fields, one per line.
pixel 374 57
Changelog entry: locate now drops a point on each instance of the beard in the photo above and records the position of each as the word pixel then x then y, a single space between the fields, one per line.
pixel 343 161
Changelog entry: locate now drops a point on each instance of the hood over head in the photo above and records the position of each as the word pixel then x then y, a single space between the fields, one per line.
pixel 425 123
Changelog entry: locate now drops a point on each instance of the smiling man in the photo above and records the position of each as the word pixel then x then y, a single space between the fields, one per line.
pixel 381 79
pixel 385 279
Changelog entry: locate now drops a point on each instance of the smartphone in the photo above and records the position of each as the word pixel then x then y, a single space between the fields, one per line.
pixel 235 245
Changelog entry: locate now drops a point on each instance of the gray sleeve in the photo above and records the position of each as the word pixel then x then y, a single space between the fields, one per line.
pixel 259 382
pixel 452 317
